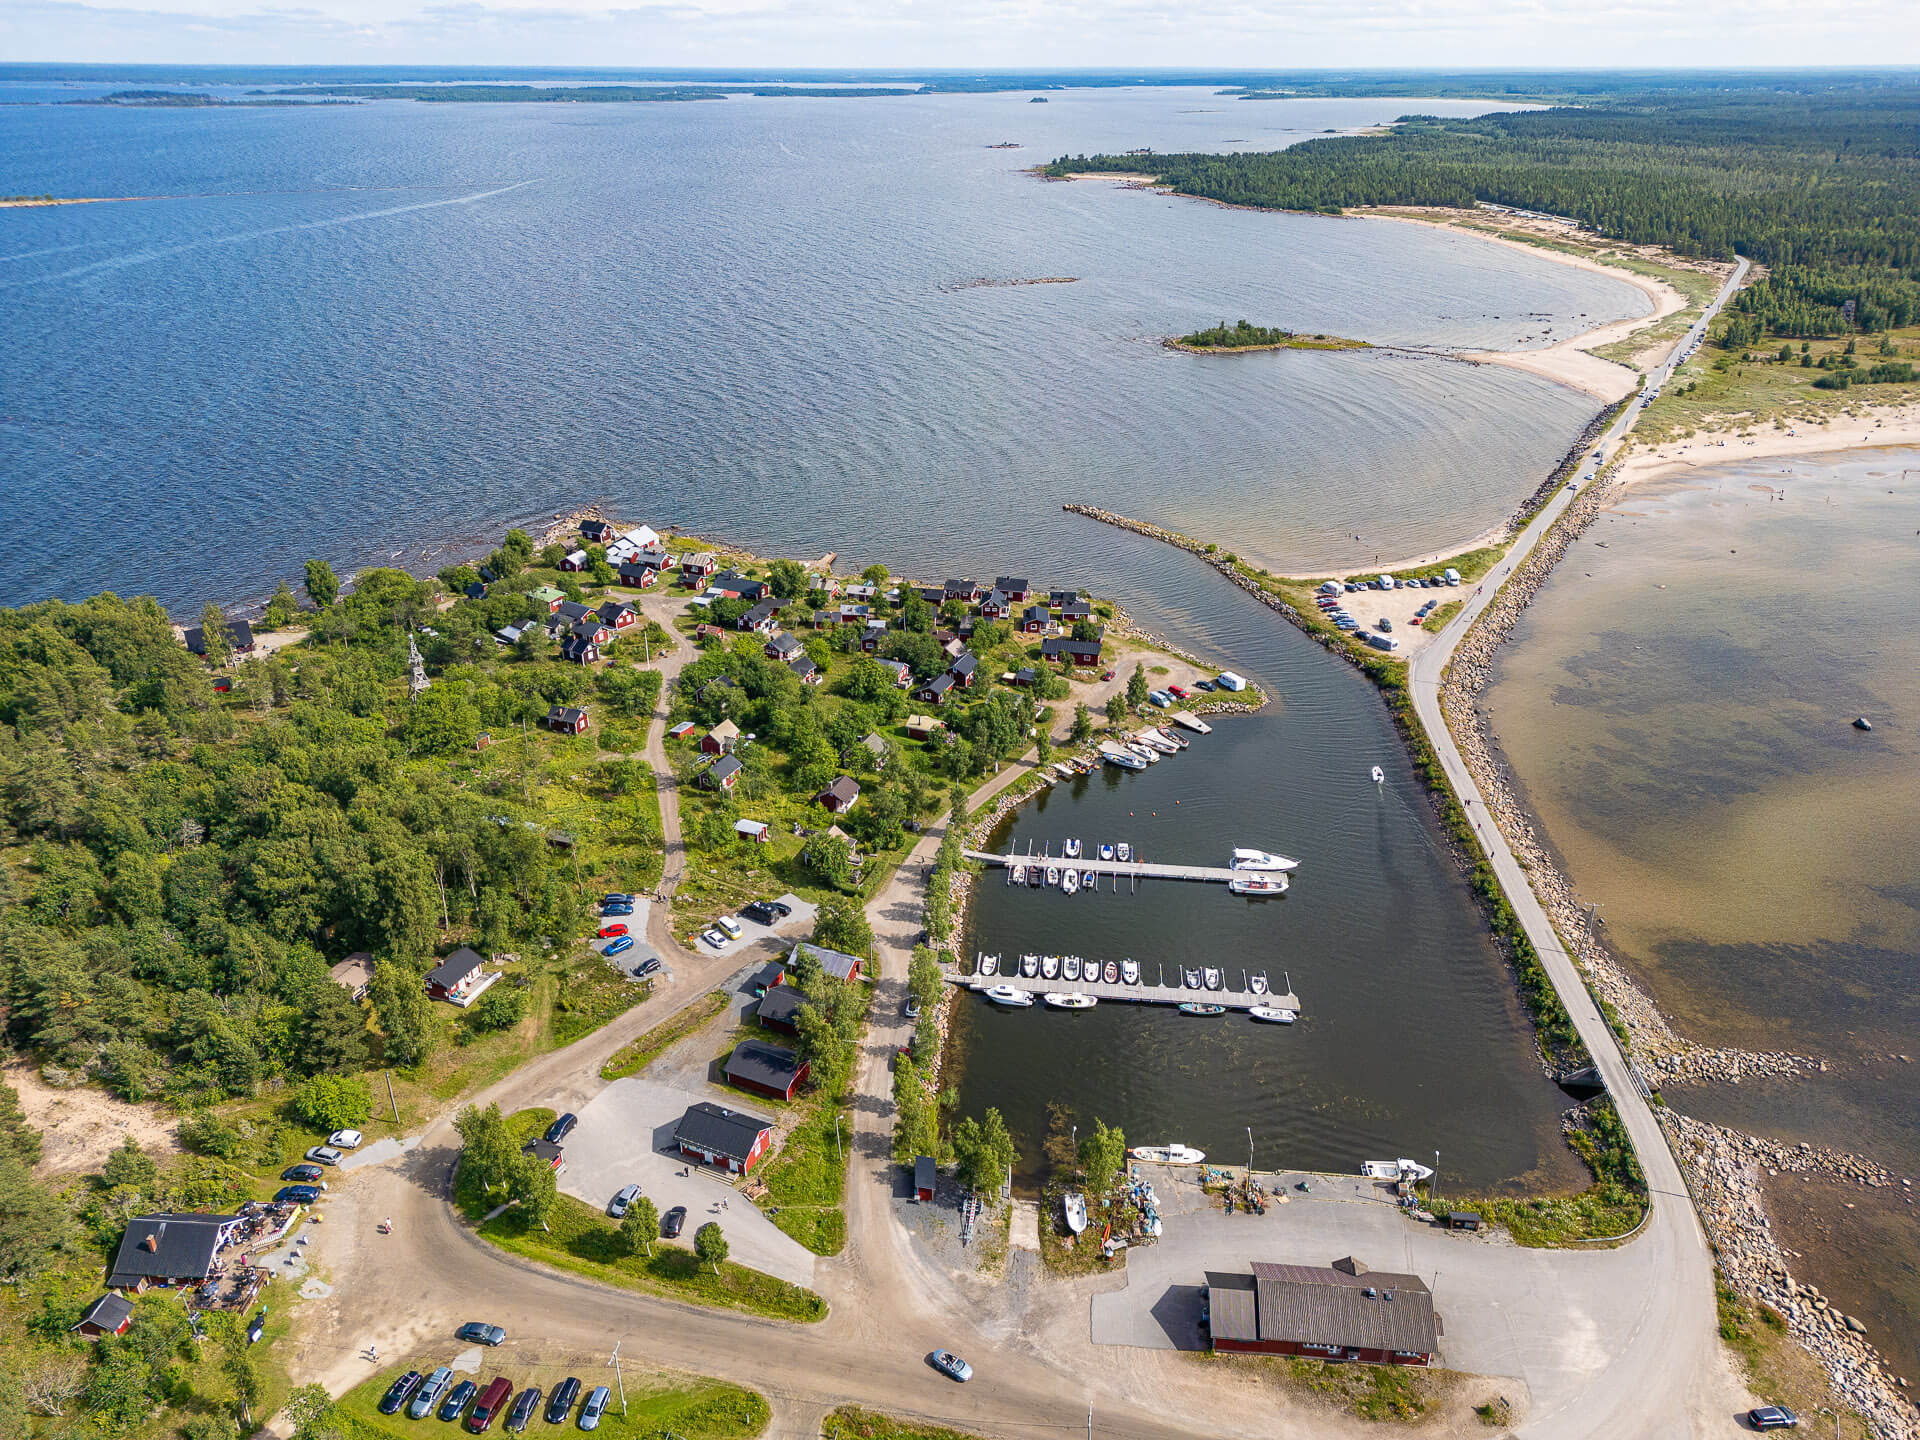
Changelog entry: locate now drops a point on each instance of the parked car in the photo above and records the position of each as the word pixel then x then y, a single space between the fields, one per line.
pixel 649 966
pixel 561 1128
pixel 623 1198
pixel 481 1417
pixel 303 1173
pixel 481 1333
pixel 457 1400
pixel 1385 624
pixel 1179 692
pixel 729 926
pixel 525 1407
pixel 1108 675
pixel 948 1363
pixel 296 1195
pixel 614 897
pixel 715 939
pixel 618 927
pixel 1204 685
pixel 595 1407
pixel 672 1222
pixel 1772 1417
pixel 759 911
pixel 911 1009
pixel 561 1401
pixel 619 907
pixel 324 1155
pixel 618 944
pixel 421 1405
pixel 398 1392
pixel 345 1139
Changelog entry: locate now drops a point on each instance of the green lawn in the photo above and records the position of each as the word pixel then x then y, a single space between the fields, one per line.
pixel 690 1407
pixel 583 1241
pixel 850 1422
pixel 806 1181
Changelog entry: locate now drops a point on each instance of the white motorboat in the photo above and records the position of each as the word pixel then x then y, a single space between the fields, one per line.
pixel 1193 980
pixel 1053 876
pixel 1019 876
pixel 1075 1206
pixel 1401 1169
pixel 1274 1014
pixel 1070 880
pixel 1125 759
pixel 1262 860
pixel 1125 850
pixel 1167 1154
pixel 1130 971
pixel 1029 965
pixel 1009 995
pixel 1379 775
pixel 1258 983
pixel 1212 978
pixel 1112 976
pixel 1070 967
pixel 1060 1000
pixel 989 964
pixel 1106 851
pixel 1187 720
pixel 1258 883
pixel 1145 751
pixel 1050 967
pixel 1071 850
pixel 1154 740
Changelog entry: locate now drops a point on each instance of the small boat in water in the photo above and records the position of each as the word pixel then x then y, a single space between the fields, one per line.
pixel 1251 882
pixel 1050 967
pixel 1401 1169
pixel 1145 751
pixel 1029 965
pixel 1017 875
pixel 1076 1210
pixel 1194 1007
pixel 1130 971
pixel 1167 1154
pixel 1379 775
pixel 1125 850
pixel 1053 876
pixel 1064 1001
pixel 1154 740
pixel 1106 851
pixel 1274 1014
pixel 1112 973
pixel 1125 759
pixel 1070 880
pixel 1262 860
pixel 1071 849
pixel 1212 977
pixel 1193 980
pixel 1070 967
pixel 1258 983
pixel 989 964
pixel 1009 995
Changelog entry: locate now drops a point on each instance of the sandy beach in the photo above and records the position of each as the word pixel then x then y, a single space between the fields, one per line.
pixel 1894 425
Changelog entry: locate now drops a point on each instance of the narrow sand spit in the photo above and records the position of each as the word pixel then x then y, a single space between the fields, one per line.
pixel 1895 425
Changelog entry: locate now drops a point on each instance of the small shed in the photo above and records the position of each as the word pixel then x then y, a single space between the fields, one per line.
pixel 780 1009
pixel 1463 1220
pixel 925 1176
pixel 567 719
pixel 754 830
pixel 767 977
pixel 109 1315
pixel 922 727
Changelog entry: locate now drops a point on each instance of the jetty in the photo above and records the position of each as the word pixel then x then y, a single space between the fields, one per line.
pixel 1142 994
pixel 1122 869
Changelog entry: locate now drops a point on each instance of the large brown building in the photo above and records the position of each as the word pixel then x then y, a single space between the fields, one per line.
pixel 1341 1312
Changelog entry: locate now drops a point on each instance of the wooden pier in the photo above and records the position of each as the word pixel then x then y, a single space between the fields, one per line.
pixel 1142 994
pixel 1119 869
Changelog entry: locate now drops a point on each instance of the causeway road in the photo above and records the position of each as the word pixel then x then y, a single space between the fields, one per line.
pixel 1648 1384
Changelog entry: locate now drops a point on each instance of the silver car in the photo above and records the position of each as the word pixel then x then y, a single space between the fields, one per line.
pixel 595 1407
pixel 950 1364
pixel 324 1155
pixel 618 1206
pixel 424 1398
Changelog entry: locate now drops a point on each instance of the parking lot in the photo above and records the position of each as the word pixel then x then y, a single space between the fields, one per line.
pixel 625 1137
pixel 1398 605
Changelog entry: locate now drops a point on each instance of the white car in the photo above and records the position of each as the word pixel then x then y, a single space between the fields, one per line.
pixel 730 926
pixel 324 1155
pixel 716 939
pixel 345 1139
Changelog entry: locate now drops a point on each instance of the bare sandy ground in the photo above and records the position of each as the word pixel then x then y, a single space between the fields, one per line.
pixel 79 1128
pixel 1894 425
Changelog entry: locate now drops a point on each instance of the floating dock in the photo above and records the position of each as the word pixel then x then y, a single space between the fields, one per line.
pixel 1121 869
pixel 1142 994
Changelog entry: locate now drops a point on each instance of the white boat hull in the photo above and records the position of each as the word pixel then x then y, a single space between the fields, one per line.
pixel 1070 1001
pixel 1167 1154
pixel 1010 996
pixel 1274 1014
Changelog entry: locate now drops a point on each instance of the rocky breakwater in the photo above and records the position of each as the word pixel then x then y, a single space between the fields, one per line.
pixel 1723 1171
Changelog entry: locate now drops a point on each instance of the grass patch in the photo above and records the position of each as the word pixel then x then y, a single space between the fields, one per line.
pixel 636 1055
pixel 1778 1370
pixel 692 1408
pixel 850 1422
pixel 806 1181
pixel 1611 1207
pixel 1381 1393
pixel 584 1242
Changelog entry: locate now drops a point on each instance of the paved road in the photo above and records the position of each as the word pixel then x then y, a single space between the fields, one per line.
pixel 1654 1378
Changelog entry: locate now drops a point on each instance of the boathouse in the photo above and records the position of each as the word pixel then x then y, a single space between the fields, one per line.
pixel 1342 1311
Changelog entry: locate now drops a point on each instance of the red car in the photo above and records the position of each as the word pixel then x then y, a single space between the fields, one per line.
pixel 1179 692
pixel 607 932
pixel 1108 676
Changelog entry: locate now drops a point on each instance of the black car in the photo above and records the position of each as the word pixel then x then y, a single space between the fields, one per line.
pixel 561 1401
pixel 648 966
pixel 457 1400
pixel 302 1172
pixel 524 1409
pixel 398 1392
pixel 481 1333
pixel 561 1128
pixel 1772 1417
pixel 672 1222
pixel 296 1195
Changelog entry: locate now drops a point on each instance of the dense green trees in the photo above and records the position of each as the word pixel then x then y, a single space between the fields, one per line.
pixel 983 1151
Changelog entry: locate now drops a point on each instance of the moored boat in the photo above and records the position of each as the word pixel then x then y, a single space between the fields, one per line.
pixel 1064 1000
pixel 1212 977
pixel 1258 983
pixel 1130 971
pixel 1401 1169
pixel 1071 849
pixel 1175 1154
pixel 1009 995
pixel 1075 1206
pixel 1194 1007
pixel 1112 973
pixel 1070 967
pixel 1018 875
pixel 1106 851
pixel 1125 850
pixel 1193 979
pixel 1262 860
pixel 1029 965
pixel 1125 759
pixel 1070 880
pixel 1268 882
pixel 1050 967
pixel 1053 876
pixel 1172 737
pixel 1274 1014
pixel 1154 740
pixel 1145 751
pixel 989 964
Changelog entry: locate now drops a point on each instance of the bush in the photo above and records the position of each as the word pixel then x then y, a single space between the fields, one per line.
pixel 205 1133
pixel 501 1008
pixel 333 1102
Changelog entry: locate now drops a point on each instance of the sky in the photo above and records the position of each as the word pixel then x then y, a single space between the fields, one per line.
pixel 1239 34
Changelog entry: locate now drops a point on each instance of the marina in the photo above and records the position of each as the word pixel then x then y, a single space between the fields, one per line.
pixel 1003 982
pixel 1121 869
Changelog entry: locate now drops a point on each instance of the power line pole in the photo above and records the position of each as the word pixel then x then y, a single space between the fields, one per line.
pixel 618 1379
pixel 390 1100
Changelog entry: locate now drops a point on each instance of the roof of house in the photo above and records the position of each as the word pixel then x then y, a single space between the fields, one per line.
pixel 566 714
pixel 765 610
pixel 749 827
pixel 724 768
pixel 1324 1305
pixel 964 664
pixel 1062 645
pixel 577 647
pixel 785 644
pixel 455 968
pixel 1072 608
pixel 875 743
pixel 705 557
pixel 614 609
pixel 1010 583
pixel 844 788
pixel 725 730
pixel 549 594
pixel 238 631
pixel 109 1312
pixel 803 666
pixel 354 971
pixel 939 684
pixel 761 1064
pixel 167 1247
pixel 574 610
pixel 1036 612
pixel 924 722
pixel 768 975
pixel 925 1173
pixel 734 580
pixel 720 1131
pixel 953 585
pixel 999 600
pixel 782 1004
pixel 835 962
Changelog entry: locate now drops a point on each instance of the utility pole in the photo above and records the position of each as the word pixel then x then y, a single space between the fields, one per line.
pixel 390 1100
pixel 618 1379
pixel 838 1152
pixel 1433 1190
pixel 1249 1154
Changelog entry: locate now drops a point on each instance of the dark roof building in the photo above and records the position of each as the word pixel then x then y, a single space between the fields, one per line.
pixel 804 669
pixel 1015 586
pixel 715 1135
pixel 963 666
pixel 169 1249
pixel 722 774
pixel 239 636
pixel 767 976
pixel 580 649
pixel 1341 1311
pixel 568 719
pixel 760 617
pixel 1080 652
pixel 840 795
pixel 934 692
pixel 573 611
pixel 109 1315
pixel 766 1069
pixel 780 1008
pixel 456 974
pixel 926 1177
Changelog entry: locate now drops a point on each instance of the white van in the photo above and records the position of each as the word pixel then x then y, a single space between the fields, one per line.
pixel 1332 587
pixel 1386 582
pixel 1453 576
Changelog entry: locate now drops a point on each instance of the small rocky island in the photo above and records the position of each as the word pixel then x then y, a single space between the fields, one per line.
pixel 1242 336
